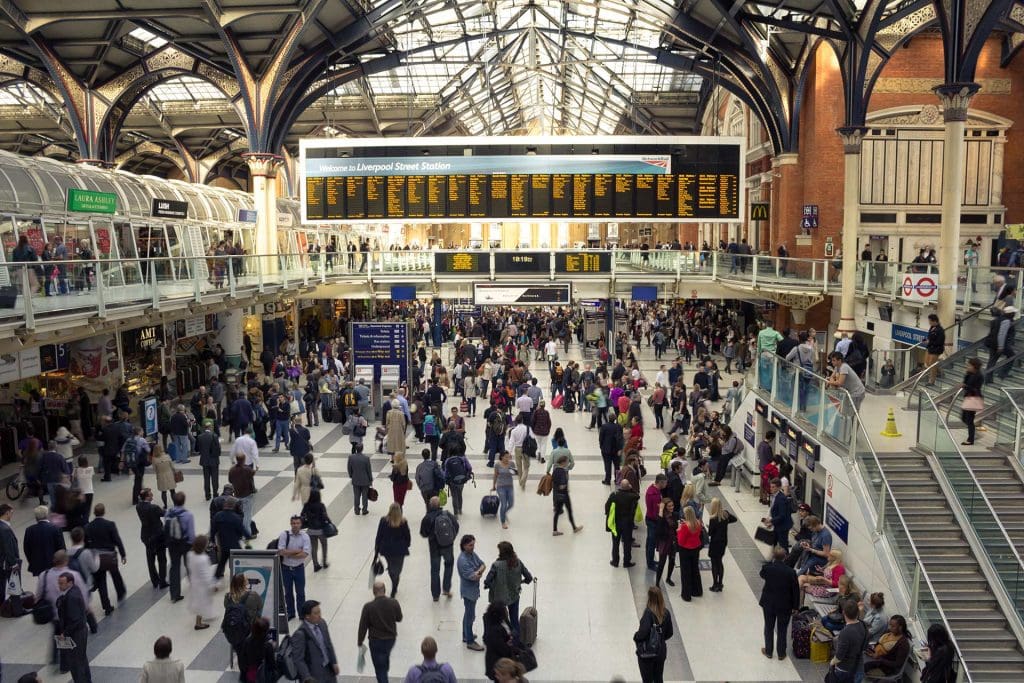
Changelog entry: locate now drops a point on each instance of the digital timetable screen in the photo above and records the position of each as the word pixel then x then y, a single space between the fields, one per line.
pixel 436 180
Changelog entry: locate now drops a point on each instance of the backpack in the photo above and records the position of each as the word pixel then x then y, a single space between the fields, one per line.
pixel 434 675
pixel 854 355
pixel 359 429
pixel 172 527
pixel 444 529
pixel 529 446
pixel 429 426
pixel 236 622
pixel 75 564
pixel 425 479
pixel 455 470
pixel 130 451
pixel 284 659
pixel 496 425
pixel 350 400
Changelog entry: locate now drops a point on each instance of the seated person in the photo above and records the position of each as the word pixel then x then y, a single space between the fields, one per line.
pixel 834 621
pixel 800 533
pixel 891 650
pixel 819 586
pixel 818 548
pixel 874 616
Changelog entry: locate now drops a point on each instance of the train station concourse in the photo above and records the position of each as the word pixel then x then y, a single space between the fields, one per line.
pixel 340 340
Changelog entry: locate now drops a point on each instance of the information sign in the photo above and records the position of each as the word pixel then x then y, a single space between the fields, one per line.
pixel 90 201
pixel 582 263
pixel 169 208
pixel 247 215
pixel 149 415
pixel 837 523
pixel 492 294
pixel 523 262
pixel 462 262
pixel 53 357
pixel 381 343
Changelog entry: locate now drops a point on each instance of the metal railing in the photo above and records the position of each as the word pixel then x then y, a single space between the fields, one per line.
pixel 1011 434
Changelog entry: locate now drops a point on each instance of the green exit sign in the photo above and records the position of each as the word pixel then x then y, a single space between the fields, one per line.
pixel 89 201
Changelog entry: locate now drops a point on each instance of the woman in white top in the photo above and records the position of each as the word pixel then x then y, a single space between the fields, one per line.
pixel 303 483
pixel 65 443
pixel 202 584
pixel 163 669
pixel 81 479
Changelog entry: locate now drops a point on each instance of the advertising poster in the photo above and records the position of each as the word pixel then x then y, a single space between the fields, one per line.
pixel 262 570
pixel 149 416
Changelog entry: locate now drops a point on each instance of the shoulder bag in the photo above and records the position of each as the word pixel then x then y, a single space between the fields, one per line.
pixel 43 612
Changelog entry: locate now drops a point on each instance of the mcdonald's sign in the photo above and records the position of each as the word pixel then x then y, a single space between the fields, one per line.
pixel 759 212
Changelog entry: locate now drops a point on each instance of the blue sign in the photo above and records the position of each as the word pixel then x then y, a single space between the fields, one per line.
pixel 748 434
pixel 380 344
pixel 908 335
pixel 247 215
pixel 403 292
pixel 644 293
pixel 149 421
pixel 837 523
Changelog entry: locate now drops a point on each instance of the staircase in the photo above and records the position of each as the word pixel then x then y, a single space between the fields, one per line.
pixel 989 647
pixel 1001 483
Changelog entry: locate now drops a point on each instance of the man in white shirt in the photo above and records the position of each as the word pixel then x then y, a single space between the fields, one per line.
pixel 246 445
pixel 524 404
pixel 294 547
pixel 551 351
pixel 516 437
pixel 661 378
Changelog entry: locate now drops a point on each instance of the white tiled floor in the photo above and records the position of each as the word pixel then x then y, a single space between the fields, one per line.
pixel 588 610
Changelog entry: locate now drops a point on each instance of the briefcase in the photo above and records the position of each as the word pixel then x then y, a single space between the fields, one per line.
pixel 764 535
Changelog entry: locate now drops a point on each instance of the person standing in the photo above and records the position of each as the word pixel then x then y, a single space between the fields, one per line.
pixel 560 494
pixel 437 671
pixel 516 438
pixel 102 537
pixel 652 516
pixel 179 435
pixel 973 400
pixel 619 511
pixel 313 650
pixel 71 623
pixel 667 527
pixel 655 629
pixel 163 468
pixel 10 559
pixel 611 442
pixel 498 638
pixel 179 532
pixel 400 483
pixel 378 623
pixel 361 472
pixel 394 425
pixel 392 543
pixel 504 486
pixel 505 580
pixel 718 539
pixel 935 346
pixel 315 519
pixel 41 541
pixel 540 424
pixel 163 669
pixel 471 570
pixel 293 545
pixel 243 481
pixel 280 413
pixel 440 528
pixel 298 441
pixel 780 518
pixel 208 447
pixel 228 531
pixel 151 534
pixel 201 582
pixel 689 539
pixel 780 597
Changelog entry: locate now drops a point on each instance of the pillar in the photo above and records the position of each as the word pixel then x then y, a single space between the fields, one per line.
pixel 435 328
pixel 852 137
pixel 787 186
pixel 296 324
pixel 230 333
pixel 956 99
pixel 263 169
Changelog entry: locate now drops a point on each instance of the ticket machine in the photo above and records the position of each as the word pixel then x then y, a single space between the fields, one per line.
pixel 390 379
pixel 365 373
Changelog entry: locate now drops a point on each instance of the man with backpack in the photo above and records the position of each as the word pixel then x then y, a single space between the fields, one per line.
pixel 441 529
pixel 429 478
pixel 495 436
pixel 136 453
pixel 457 471
pixel 430 671
pixel 179 533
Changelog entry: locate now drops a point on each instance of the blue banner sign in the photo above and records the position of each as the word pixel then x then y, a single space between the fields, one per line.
pixel 908 335
pixel 837 523
pixel 247 215
pixel 748 434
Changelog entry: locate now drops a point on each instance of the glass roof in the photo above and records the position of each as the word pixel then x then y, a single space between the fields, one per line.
pixel 184 89
pixel 25 94
pixel 148 39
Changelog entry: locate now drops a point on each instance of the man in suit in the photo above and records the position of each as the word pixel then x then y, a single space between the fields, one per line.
pixel 228 530
pixel 151 533
pixel 314 651
pixel 625 501
pixel 780 519
pixel 41 541
pixel 208 447
pixel 361 472
pixel 9 557
pixel 609 437
pixel 102 537
pixel 780 598
pixel 71 623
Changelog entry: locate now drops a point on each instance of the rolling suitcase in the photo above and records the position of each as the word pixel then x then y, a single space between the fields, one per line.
pixel 489 506
pixel 528 620
pixel 800 633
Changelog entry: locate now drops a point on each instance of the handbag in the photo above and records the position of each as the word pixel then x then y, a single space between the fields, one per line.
pixel 972 403
pixel 764 535
pixel 442 497
pixel 524 655
pixel 330 530
pixel 372 495
pixel 179 476
pixel 378 566
pixel 42 611
pixel 108 561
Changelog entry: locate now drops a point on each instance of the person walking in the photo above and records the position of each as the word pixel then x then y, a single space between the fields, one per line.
pixel 243 481
pixel 228 532
pixel 935 346
pixel 312 648
pixel 241 609
pixel 505 580
pixel 429 478
pixel 306 480
pixel 102 537
pixel 780 597
pixel 394 426
pixel 255 651
pixel 378 623
pixel 471 570
pixel 201 581
pixel 718 539
pixel 293 545
pixel 652 517
pixel 316 522
pixel 973 401
pixel 208 447
pixel 516 438
pixel 666 540
pixel 540 424
pixel 163 669
pixel 560 495
pixel 41 541
pixel 10 559
pixel 400 482
pixel 361 472
pixel 430 670
pixel 457 471
pixel 619 512
pixel 440 528
pixel 163 468
pixel 650 638
pixel 780 518
pixel 392 543
pixel 504 486
pixel 299 439
pixel 611 442
pixel 280 415
pixel 151 533
pixel 689 537
pixel 71 623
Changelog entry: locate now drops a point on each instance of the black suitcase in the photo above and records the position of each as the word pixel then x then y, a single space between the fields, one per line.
pixel 489 505
pixel 8 296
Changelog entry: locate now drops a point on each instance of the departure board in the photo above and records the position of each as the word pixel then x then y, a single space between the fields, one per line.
pixel 315 198
pixel 622 178
pixel 463 262
pixel 582 263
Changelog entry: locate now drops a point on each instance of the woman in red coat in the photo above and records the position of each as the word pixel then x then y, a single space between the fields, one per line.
pixel 689 541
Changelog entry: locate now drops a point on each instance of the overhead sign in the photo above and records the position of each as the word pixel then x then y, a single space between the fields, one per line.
pixel 490 294
pixel 908 335
pixel 573 263
pixel 90 201
pixel 403 292
pixel 169 208
pixel 53 357
pixel 378 344
pixel 248 215
pixel 462 262
pixel 837 523
pixel 522 262
pixel 644 293
pixel 759 212
pixel 922 287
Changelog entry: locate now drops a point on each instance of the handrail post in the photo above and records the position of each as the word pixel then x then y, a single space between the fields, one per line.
pixel 197 285
pixel 1016 436
pixel 775 377
pixel 880 512
pixel 305 277
pixel 155 284
pixel 915 590
pixel 231 276
pixel 778 263
pixel 714 266
pixel 679 265
pixel 26 294
pixel 101 304
pixel 259 274
pixel 821 409
pixel 753 273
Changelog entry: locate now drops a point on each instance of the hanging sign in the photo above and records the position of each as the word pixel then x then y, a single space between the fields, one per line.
pixel 89 201
pixel 169 208
pixel 922 287
pixel 759 212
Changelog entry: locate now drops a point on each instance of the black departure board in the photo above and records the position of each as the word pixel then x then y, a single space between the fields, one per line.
pixel 315 208
pixel 583 263
pixel 416 196
pixel 355 197
pixel 625 178
pixel 462 262
pixel 522 262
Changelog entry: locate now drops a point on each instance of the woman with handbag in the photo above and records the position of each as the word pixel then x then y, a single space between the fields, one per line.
pixel 166 475
pixel 655 629
pixel 690 539
pixel 400 483
pixel 318 525
pixel 718 539
pixel 973 401
pixel 392 542
pixel 307 480
pixel 666 539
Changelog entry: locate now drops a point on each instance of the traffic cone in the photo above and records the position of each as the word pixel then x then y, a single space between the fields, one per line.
pixel 890 425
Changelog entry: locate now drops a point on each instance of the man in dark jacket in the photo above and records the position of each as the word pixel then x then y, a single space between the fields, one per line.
pixel 102 537
pixel 242 416
pixel 9 557
pixel 52 470
pixel 179 435
pixel 441 547
pixel 625 501
pixel 1001 334
pixel 780 597
pixel 110 451
pixel 41 541
pixel 228 530
pixel 611 442
pixel 151 520
pixel 781 519
pixel 208 447
pixel 935 346
pixel 71 622
pixel 361 473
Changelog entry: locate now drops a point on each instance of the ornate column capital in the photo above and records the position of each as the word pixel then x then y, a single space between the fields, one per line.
pixel 785 159
pixel 852 137
pixel 263 164
pixel 956 99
